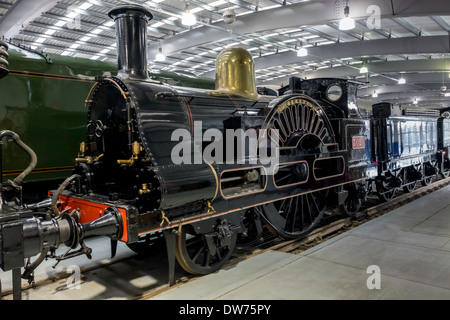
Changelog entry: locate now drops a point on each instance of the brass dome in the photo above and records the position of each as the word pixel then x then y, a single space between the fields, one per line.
pixel 235 73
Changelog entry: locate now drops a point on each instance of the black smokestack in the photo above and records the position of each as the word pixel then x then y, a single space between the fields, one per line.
pixel 131 29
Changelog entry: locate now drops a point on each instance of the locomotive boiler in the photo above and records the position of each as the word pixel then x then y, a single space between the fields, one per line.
pixel 200 167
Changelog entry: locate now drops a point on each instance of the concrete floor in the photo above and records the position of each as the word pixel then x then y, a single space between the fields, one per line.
pixel 404 254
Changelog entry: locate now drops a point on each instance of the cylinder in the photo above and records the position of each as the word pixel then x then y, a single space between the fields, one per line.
pixel 131 30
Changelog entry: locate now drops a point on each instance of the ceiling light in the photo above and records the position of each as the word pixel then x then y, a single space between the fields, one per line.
pixel 217 3
pixel 85 6
pixel 160 57
pixel 60 23
pixel 401 81
pixel 97 31
pixel 447 94
pixel 72 14
pixel 157 24
pixel 363 70
pixel 375 94
pixel 346 23
pixel 302 52
pixel 188 18
pixel 415 101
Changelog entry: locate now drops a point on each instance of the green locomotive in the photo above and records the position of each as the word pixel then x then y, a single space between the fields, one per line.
pixel 42 100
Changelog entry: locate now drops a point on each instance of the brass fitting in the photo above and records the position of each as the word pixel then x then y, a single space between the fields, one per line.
pixel 88 159
pixel 145 189
pixel 135 149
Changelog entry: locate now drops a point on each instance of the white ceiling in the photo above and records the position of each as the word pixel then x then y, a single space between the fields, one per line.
pixel 410 39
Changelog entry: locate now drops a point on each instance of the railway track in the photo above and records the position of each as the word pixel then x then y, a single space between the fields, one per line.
pixel 333 224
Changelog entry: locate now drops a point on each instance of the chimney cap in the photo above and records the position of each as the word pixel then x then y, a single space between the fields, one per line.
pixel 116 12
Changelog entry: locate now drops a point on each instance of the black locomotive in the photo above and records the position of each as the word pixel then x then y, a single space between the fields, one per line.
pixel 201 167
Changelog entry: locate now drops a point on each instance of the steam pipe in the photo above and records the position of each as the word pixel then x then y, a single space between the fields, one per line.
pixel 53 211
pixel 15 137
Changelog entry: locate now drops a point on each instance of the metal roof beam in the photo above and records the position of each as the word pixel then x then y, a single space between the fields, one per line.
pixel 355 49
pixel 319 12
pixel 408 26
pixel 441 22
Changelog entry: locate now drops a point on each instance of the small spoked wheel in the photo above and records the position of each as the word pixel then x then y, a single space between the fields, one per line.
pixel 353 202
pixel 204 253
pixel 295 217
pixel 409 186
pixel 445 174
pixel 426 181
pixel 386 195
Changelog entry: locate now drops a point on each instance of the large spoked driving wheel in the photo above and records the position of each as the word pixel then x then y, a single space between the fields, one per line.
pixel 204 253
pixel 295 217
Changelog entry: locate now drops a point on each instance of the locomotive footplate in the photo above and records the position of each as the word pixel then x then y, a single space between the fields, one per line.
pixel 90 208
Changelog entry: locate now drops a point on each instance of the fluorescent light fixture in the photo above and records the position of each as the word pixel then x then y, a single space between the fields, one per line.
pixel 50 32
pixel 311 37
pixel 95 57
pixel 75 45
pixel 72 14
pixel 198 9
pixel 160 57
pixel 447 94
pixel 105 51
pixel 401 81
pixel 97 31
pixel 109 24
pixel 157 24
pixel 85 6
pixel 217 3
pixel 60 23
pixel 302 52
pixel 85 38
pixel 40 40
pixel 346 23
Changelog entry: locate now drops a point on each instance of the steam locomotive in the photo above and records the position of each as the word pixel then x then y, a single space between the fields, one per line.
pixel 199 167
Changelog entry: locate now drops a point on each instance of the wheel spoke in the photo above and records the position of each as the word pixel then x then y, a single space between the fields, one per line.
pixel 193 251
pixel 294 217
pixel 200 250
